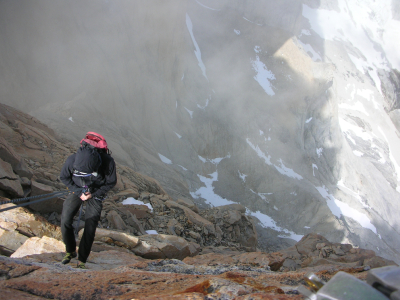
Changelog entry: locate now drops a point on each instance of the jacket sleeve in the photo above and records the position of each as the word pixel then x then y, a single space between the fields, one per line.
pixel 110 179
pixel 66 174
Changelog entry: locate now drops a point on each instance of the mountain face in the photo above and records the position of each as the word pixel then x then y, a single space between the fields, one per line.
pixel 289 108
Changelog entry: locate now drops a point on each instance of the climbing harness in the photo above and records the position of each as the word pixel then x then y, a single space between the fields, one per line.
pixel 39 197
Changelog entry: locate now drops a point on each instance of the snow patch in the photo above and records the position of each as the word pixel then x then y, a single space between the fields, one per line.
pixel 319 151
pixel 132 200
pixel 267 159
pixel 190 112
pixel 314 166
pixel 309 50
pixel 268 222
pixel 164 159
pixel 242 176
pixel 263 76
pixel 339 208
pixel 197 51
pixel 178 135
pixel 201 4
pixel 358 106
pixel 358 153
pixel 208 193
pixel 70 118
pixel 237 31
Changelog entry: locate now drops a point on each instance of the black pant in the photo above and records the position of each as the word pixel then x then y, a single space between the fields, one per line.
pixel 92 217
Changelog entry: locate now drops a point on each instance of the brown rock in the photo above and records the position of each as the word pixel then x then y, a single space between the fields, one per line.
pixel 192 216
pixel 309 242
pixel 116 221
pixel 129 193
pixel 11 240
pixel 8 154
pixel 127 240
pixel 36 245
pixel 29 224
pixel 6 171
pixel 377 262
pixel 188 203
pixel 162 246
pixel 13 187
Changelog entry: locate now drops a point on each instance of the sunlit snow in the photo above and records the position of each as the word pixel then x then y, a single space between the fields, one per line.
pixel 313 54
pixel 364 24
pixel 339 208
pixel 358 153
pixel 358 106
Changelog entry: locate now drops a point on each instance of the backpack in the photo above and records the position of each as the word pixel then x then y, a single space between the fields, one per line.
pixel 96 140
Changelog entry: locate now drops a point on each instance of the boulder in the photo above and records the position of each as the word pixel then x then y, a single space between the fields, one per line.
pixel 156 246
pixel 12 187
pixel 6 171
pixel 129 193
pixel 22 169
pixel 188 203
pixel 29 224
pixel 192 216
pixel 377 262
pixel 110 236
pixel 111 259
pixel 309 242
pixel 233 225
pixel 115 221
pixel 36 245
pixel 10 241
pixel 9 181
pixel 8 154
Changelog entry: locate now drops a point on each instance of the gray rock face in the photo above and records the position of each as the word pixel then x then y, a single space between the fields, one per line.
pixel 228 102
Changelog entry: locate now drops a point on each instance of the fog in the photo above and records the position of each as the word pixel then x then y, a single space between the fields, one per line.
pixel 268 89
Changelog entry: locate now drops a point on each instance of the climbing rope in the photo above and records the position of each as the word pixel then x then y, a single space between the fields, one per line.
pixel 46 197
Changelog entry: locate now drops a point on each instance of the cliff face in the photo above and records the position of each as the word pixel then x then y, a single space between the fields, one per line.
pixel 259 103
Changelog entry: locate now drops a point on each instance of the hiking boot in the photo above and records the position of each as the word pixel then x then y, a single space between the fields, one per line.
pixel 81 265
pixel 67 258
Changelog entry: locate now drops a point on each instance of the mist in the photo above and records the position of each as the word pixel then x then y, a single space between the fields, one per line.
pixel 262 103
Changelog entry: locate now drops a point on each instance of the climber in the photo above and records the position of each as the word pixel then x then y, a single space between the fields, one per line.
pixel 90 171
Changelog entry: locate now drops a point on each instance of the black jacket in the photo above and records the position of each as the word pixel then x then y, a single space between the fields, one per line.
pixel 101 184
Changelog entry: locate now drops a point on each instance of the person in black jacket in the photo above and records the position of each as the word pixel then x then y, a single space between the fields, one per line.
pixel 89 174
